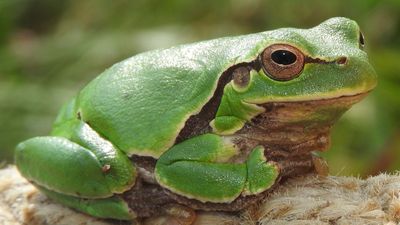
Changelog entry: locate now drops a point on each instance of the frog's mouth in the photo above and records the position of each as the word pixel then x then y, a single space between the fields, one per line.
pixel 301 126
pixel 308 113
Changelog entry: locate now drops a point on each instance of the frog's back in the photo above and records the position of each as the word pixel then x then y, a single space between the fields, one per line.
pixel 141 103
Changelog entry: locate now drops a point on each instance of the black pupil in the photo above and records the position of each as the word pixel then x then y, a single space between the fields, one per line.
pixel 283 57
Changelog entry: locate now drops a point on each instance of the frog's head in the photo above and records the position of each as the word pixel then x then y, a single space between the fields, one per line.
pixel 327 61
pixel 313 75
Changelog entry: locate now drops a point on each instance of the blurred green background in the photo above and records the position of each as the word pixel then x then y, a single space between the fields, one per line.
pixel 51 49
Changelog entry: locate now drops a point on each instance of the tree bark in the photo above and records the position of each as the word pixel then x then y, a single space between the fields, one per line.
pixel 303 200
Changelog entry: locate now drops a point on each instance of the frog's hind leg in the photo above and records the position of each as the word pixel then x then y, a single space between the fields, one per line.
pixel 77 162
pixel 59 164
pixel 198 168
pixel 69 173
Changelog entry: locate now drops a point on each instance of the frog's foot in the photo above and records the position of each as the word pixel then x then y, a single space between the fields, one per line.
pixel 82 166
pixel 198 169
pixel 111 208
pixel 174 214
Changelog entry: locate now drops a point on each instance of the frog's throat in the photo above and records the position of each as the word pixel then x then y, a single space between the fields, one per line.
pixel 288 129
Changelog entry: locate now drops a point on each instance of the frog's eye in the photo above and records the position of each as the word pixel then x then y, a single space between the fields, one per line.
pixel 361 40
pixel 282 62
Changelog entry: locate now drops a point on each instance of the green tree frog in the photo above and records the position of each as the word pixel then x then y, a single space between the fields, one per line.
pixel 212 125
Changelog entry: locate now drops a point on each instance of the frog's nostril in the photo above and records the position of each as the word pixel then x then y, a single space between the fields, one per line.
pixel 361 40
pixel 342 60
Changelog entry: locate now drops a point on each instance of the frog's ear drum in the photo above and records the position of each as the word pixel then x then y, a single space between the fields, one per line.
pixel 282 62
pixel 241 76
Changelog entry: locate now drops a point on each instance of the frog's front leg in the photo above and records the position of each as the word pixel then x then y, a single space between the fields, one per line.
pixel 79 169
pixel 198 168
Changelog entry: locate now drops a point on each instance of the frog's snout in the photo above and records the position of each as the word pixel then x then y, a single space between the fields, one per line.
pixel 345 29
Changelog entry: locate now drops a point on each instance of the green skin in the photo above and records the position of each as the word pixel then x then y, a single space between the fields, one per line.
pixel 139 106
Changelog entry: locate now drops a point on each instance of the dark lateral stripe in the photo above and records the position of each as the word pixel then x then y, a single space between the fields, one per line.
pixel 317 60
pixel 199 123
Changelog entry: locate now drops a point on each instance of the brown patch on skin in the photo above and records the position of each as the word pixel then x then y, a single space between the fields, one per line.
pixel 317 60
pixel 147 199
pixel 241 76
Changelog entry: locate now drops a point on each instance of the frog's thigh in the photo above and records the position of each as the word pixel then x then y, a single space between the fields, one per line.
pixel 112 207
pixel 64 166
pixel 195 169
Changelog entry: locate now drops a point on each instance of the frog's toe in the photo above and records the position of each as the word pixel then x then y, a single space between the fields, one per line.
pixel 111 208
pixel 261 174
